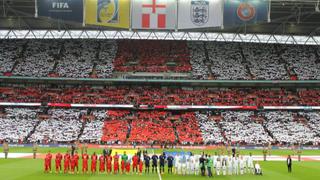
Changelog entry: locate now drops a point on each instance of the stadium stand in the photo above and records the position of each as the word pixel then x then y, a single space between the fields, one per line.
pixel 152 56
pixel 11 118
pixel 148 95
pixel 63 125
pixel 159 127
pixel 214 60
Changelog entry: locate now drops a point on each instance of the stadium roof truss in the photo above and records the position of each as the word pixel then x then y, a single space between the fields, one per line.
pixel 154 35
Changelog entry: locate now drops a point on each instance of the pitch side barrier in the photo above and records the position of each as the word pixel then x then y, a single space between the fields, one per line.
pixel 204 147
pixel 163 82
pixel 158 107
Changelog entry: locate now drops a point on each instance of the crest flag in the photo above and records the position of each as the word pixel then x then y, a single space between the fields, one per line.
pixel 110 13
pixel 200 13
pixel 239 12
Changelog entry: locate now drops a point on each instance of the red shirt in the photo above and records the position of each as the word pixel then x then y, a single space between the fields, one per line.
pixel 101 159
pixel 135 159
pixel 116 159
pixel 94 158
pixel 75 158
pixel 67 157
pixel 58 157
pixel 49 156
pixel 109 159
pixel 85 158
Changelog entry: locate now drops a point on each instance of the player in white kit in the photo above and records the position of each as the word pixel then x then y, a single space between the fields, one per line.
pixel 224 165
pixel 242 165
pixel 218 166
pixel 250 166
pixel 191 167
pixel 177 164
pixel 236 165
pixel 196 164
pixel 230 165
pixel 183 162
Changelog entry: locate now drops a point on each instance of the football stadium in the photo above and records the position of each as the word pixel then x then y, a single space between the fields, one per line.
pixel 160 89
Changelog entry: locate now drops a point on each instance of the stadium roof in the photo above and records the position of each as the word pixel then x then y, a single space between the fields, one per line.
pixel 293 17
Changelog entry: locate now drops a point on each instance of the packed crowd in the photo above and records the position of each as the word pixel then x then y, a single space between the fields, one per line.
pixel 285 129
pixel 238 127
pixel 10 51
pixel 38 59
pixel 226 61
pixel 16 124
pixel 212 60
pixel 147 95
pixel 264 62
pixel 63 125
pixel 198 60
pixel 152 56
pixel 159 127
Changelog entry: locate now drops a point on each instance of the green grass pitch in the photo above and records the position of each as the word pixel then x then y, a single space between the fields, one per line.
pixel 31 169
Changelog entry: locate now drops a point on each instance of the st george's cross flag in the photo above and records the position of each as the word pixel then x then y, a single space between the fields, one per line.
pixel 200 13
pixel 153 14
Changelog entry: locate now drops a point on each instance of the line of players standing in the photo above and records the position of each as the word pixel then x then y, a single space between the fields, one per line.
pixel 183 164
pixel 106 162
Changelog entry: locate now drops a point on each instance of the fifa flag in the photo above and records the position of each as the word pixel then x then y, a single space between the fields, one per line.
pixel 154 14
pixel 200 13
pixel 67 10
pixel 238 12
pixel 111 13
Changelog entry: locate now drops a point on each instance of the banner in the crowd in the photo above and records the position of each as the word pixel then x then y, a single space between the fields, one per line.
pixel 111 13
pixel 200 13
pixel 238 12
pixel 67 10
pixel 153 14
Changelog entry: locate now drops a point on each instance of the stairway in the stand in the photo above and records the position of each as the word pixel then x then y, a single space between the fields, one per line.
pixel 20 56
pixel 207 62
pixel 290 72
pixel 245 62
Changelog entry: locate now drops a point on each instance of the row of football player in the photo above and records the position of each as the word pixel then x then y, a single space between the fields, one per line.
pixel 178 164
pixel 78 59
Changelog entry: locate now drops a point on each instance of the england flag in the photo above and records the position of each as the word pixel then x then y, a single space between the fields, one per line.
pixel 200 13
pixel 154 14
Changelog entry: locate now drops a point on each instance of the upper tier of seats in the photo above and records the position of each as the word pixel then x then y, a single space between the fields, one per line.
pixel 198 60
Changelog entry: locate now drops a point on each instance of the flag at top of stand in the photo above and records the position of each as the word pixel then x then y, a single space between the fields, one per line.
pixel 153 14
pixel 200 13
pixel 239 12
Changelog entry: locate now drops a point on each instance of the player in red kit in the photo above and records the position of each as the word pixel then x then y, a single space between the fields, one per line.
pixel 73 163
pixel 122 166
pixel 66 162
pixel 102 164
pixel 135 160
pixel 116 163
pixel 140 166
pixel 76 161
pixel 109 164
pixel 85 158
pixel 47 162
pixel 128 167
pixel 58 162
pixel 94 159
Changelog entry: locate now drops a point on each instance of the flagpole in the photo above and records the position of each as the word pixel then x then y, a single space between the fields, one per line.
pixel 177 16
pixel 36 9
pixel 130 18
pixel 84 13
pixel 222 9
pixel 269 13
